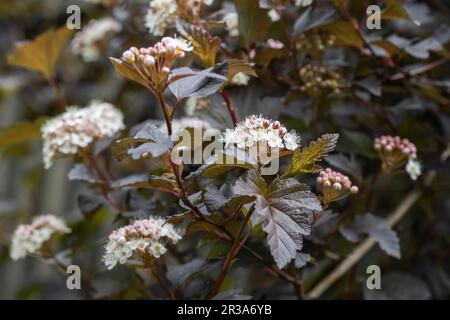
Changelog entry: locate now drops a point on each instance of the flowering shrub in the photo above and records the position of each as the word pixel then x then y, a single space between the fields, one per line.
pixel 227 149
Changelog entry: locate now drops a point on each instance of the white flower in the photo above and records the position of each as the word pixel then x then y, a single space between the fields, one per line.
pixel 291 140
pixel 273 15
pixel 176 44
pixel 231 20
pixel 414 169
pixel 87 41
pixel 160 15
pixel 142 240
pixel 256 130
pixel 240 79
pixel 75 129
pixel 29 238
pixel 303 3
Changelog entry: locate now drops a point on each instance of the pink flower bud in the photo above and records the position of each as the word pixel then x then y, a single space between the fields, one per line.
pixel 149 61
pixel 354 189
pixel 128 56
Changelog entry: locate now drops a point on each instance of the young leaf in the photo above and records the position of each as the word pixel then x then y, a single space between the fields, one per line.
pixel 41 53
pixel 284 209
pixel 376 227
pixel 205 45
pixel 395 11
pixel 215 198
pixel 305 160
pixel 236 65
pixel 127 71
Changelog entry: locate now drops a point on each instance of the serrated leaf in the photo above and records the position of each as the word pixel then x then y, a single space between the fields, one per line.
pixel 215 198
pixel 205 45
pixel 21 132
pixel 236 65
pixel 41 54
pixel 284 208
pixel 377 228
pixel 305 160
pixel 128 71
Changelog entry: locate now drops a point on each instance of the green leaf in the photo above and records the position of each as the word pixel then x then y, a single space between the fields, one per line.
pixel 253 21
pixel 41 53
pixel 236 65
pixel 395 11
pixel 305 160
pixel 205 45
pixel 284 208
pixel 128 71
pixel 21 132
pixel 345 34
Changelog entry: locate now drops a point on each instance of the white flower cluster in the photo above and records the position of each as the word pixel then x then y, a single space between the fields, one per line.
pixel 162 14
pixel 75 129
pixel 256 129
pixel 29 238
pixel 87 41
pixel 142 240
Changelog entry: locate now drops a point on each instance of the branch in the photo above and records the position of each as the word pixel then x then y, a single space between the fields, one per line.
pixel 364 247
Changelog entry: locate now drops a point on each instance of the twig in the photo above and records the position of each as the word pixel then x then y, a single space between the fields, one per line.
pixel 237 245
pixel 58 93
pixel 367 244
pixel 230 107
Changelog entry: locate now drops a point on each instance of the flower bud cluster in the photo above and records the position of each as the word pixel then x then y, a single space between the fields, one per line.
pixel 143 241
pixel 335 185
pixel 29 238
pixel 155 63
pixel 316 41
pixel 317 80
pixel 394 151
